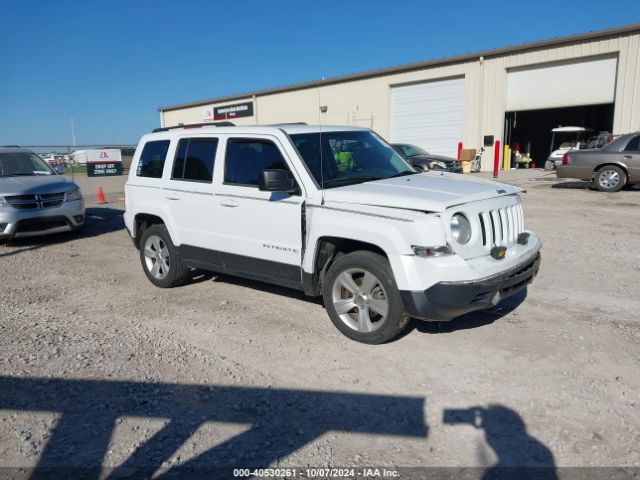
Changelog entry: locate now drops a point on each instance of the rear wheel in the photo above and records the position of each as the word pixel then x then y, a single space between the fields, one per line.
pixel 159 257
pixel 609 179
pixel 362 299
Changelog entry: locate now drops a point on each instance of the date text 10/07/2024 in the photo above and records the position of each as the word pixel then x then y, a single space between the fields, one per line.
pixel 316 473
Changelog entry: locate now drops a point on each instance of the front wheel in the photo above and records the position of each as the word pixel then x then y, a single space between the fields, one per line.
pixel 362 299
pixel 610 179
pixel 549 165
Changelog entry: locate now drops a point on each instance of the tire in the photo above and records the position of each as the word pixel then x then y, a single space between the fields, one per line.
pixel 78 230
pixel 610 178
pixel 549 165
pixel 365 321
pixel 160 259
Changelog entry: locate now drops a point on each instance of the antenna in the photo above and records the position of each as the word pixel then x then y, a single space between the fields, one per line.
pixel 320 145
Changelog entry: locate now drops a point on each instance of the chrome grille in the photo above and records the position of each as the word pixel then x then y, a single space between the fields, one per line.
pixel 502 226
pixel 51 199
pixel 29 202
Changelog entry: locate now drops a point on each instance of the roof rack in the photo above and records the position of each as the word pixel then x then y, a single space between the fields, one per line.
pixel 287 123
pixel 10 146
pixel 195 125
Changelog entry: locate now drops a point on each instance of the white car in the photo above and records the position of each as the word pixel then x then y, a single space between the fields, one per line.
pixel 379 241
pixel 571 138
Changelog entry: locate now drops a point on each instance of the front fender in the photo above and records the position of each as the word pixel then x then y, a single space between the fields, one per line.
pixel 394 231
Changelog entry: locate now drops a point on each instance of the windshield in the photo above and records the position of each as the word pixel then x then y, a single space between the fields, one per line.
pixel 412 150
pixel 349 157
pixel 22 163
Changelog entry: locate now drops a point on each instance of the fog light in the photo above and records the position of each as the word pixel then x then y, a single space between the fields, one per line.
pixel 78 218
pixel 523 238
pixel 498 252
pixel 496 299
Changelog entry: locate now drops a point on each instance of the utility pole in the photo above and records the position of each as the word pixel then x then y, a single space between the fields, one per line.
pixel 73 132
pixel 73 141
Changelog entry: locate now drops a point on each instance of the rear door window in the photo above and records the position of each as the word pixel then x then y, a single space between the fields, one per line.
pixel 195 158
pixel 152 159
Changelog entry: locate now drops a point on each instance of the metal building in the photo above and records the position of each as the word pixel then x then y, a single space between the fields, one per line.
pixel 516 94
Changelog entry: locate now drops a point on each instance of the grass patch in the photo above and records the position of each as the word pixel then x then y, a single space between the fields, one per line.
pixel 76 169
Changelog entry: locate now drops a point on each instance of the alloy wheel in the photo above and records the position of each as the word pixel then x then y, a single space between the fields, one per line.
pixel 156 257
pixel 360 300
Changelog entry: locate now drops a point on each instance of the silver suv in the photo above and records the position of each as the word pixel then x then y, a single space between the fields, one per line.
pixel 34 199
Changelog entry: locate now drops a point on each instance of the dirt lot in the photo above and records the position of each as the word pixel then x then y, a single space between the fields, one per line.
pixel 100 368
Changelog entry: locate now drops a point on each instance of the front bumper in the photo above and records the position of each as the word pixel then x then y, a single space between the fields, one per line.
pixel 448 300
pixel 15 223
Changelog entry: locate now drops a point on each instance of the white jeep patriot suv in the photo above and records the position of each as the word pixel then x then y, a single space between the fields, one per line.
pixel 332 211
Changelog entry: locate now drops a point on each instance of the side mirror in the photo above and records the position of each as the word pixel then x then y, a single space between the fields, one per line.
pixel 60 170
pixel 276 181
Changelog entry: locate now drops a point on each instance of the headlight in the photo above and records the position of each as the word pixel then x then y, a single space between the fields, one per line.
pixel 74 195
pixel 460 228
pixel 3 202
pixel 435 165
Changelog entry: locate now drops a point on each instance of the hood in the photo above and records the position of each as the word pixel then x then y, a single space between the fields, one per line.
pixel 430 191
pixel 26 185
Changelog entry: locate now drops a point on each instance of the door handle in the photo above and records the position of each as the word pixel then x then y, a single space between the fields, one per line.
pixel 173 196
pixel 229 203
pixel 627 157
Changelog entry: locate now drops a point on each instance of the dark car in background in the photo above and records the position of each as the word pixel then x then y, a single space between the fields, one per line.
pixel 610 168
pixel 425 161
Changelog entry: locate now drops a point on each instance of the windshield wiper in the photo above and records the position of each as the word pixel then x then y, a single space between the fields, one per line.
pixel 403 174
pixel 350 179
pixel 19 174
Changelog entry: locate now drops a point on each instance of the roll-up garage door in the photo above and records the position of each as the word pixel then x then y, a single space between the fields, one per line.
pixel 429 115
pixel 567 84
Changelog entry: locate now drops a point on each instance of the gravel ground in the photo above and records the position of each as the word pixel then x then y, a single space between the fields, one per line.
pixel 101 369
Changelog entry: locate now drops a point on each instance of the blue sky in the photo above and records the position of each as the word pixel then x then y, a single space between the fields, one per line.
pixel 110 64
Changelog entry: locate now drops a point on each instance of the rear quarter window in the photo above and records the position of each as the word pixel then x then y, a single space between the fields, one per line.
pixel 152 159
pixel 633 145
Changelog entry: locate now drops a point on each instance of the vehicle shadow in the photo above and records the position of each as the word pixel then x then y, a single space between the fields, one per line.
pixel 475 319
pixel 99 221
pixel 573 185
pixel 254 285
pixel 479 318
pixel 520 455
pixel 544 176
pixel 278 421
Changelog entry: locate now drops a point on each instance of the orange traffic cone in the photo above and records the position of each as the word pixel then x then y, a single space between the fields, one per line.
pixel 100 195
